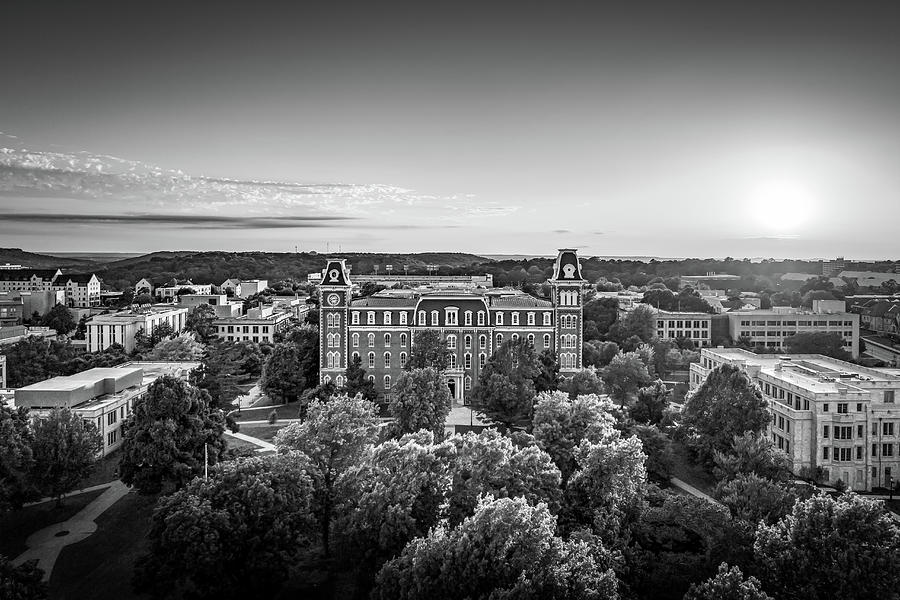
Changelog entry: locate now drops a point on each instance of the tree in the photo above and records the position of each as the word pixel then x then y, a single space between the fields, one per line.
pixel 548 379
pixel 846 547
pixel 561 423
pixel 25 582
pixel 356 382
pixel 60 319
pixel 16 457
pixel 200 322
pixel 640 323
pixel 65 448
pixel 505 388
pixel 221 370
pixel 420 400
pixel 725 405
pixel 428 350
pixel 490 463
pixel 282 379
pixel 306 339
pixel 828 344
pixel 599 315
pixel 755 499
pixel 506 550
pixel 728 584
pixel 625 375
pixel 752 453
pixel 658 448
pixel 81 328
pixel 142 299
pixel 161 332
pixel 179 348
pixel 236 535
pixel 165 436
pixel 582 383
pixel 650 404
pixel 335 437
pixel 598 354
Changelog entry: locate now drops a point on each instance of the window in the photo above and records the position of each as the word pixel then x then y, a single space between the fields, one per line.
pixel 499 318
pixel 546 319
pixel 387 339
pixel 403 318
pixel 422 317
pixel 330 319
pixel 825 452
pixel 387 360
pixel 468 342
pixel 531 340
pixel 499 339
pixel 434 317
pixel 370 317
pixel 451 316
pixel 387 382
pixel 482 342
pixel 515 318
pixel 371 360
pixel 859 431
pixel 531 318
pixel 467 361
pixel 339 381
pixel 825 430
pixel 887 449
pixel 515 337
pixel 825 407
pixel 356 340
pixel 859 453
pixel 859 407
pixel 403 338
pixel 403 360
pixel 451 342
pixel 482 360
pixel 887 428
pixel 843 432
pixel 355 318
pixel 354 356
pixel 480 317
pixel 468 318
pixel 371 338
pixel 452 362
pixel 111 437
pixel 842 454
pixel 842 407
pixel 546 341
pixel 387 318
pixel 111 418
pixel 889 396
pixel 468 382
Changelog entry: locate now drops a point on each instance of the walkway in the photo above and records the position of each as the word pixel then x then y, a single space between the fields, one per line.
pixel 691 490
pixel 46 544
pixel 263 445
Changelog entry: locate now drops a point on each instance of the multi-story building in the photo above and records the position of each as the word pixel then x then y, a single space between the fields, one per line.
pixel 249 287
pixel 104 397
pixel 831 268
pixel 695 326
pixel 827 413
pixel 120 328
pixel 12 309
pixel 259 325
pixel 230 285
pixel 380 329
pixel 82 290
pixel 220 303
pixel 710 280
pixel 169 292
pixel 770 328
pixel 28 280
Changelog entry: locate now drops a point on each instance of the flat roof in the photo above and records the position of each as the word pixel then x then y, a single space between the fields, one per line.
pixel 77 381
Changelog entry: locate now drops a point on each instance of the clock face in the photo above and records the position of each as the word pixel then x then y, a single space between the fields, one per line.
pixel 334 299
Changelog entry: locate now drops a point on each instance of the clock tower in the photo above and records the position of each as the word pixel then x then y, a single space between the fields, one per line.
pixel 567 286
pixel 334 304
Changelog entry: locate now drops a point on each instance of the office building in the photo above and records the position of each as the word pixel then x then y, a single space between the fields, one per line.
pixel 120 328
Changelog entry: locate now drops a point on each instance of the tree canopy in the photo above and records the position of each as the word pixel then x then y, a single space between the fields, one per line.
pixel 505 388
pixel 420 399
pixel 16 457
pixel 60 319
pixel 65 449
pixel 428 350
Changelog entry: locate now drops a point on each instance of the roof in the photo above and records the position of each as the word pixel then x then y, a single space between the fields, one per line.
pixel 84 278
pixel 384 302
pixel 27 274
pixel 519 301
pixel 798 276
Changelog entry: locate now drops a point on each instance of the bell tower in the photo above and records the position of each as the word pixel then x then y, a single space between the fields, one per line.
pixel 567 285
pixel 334 316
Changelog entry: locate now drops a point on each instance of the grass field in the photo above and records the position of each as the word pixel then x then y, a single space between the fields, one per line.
pixel 101 566
pixel 284 411
pixel 263 432
pixel 17 525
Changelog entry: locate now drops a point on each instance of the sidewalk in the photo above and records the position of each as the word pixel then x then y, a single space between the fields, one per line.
pixel 263 446
pixel 45 545
pixel 99 486
pixel 691 490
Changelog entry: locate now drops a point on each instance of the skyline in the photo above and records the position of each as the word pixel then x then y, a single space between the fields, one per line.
pixel 621 132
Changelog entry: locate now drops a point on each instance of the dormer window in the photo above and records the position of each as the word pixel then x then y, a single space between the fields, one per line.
pixel 480 318
pixel 531 318
pixel 387 318
pixel 403 318
pixel 515 318
pixel 370 317
pixel 499 318
pixel 355 318
pixel 422 318
pixel 434 318
pixel 451 317
pixel 468 318
pixel 546 318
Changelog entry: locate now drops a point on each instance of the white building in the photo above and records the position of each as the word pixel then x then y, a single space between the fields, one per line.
pixel 81 290
pixel 771 327
pixel 258 325
pixel 120 328
pixel 220 303
pixel 695 326
pixel 168 293
pixel 826 412
pixel 248 287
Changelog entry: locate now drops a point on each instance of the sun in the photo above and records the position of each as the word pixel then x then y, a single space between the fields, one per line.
pixel 782 206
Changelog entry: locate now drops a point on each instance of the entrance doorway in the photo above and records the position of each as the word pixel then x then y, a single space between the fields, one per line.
pixel 451 383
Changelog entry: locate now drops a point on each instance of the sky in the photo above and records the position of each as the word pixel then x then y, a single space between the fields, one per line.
pixel 752 129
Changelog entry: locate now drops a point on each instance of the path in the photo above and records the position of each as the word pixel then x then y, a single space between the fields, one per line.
pixel 691 490
pixel 46 544
pixel 263 445
pixel 99 486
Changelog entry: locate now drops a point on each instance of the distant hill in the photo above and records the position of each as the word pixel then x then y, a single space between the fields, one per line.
pixel 17 256
pixel 216 267
pixel 96 257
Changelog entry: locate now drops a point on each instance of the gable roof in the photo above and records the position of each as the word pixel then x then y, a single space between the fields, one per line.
pixel 27 274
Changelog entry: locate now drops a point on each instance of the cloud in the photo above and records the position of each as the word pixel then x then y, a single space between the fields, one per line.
pixel 562 231
pixel 95 177
pixel 491 211
pixel 183 221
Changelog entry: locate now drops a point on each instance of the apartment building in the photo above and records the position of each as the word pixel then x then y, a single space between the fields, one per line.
pixel 220 304
pixel 825 412
pixel 695 326
pixel 120 328
pixel 12 309
pixel 28 280
pixel 82 290
pixel 104 396
pixel 259 325
pixel 770 328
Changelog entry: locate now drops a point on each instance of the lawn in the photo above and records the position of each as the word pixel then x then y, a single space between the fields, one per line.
pixel 262 432
pixel 690 473
pixel 284 411
pixel 104 471
pixel 19 524
pixel 101 566
pixel 239 444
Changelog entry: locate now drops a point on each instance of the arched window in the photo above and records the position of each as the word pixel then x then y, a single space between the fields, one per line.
pixel 330 319
pixel 515 337
pixel 337 320
pixel 354 356
pixel 467 361
pixel 482 342
pixel 330 338
pixel 468 382
pixel 387 318
pixel 546 318
pixel 371 337
pixel 422 317
pixel 468 342
pixel 403 318
pixel 468 318
pixel 499 339
pixel 339 381
pixel 370 317
pixel 326 379
pixel 480 317
pixel 452 362
pixel 387 360
pixel 499 318
pixel 403 340
pixel 531 318
pixel 531 340
pixel 371 360
pixel 355 320
pixel 387 339
pixel 434 317
pixel 387 382
pixel 451 342
pixel 403 360
pixel 515 318
pixel 451 316
pixel 482 360
pixel 356 340
pixel 546 341
pixel 371 378
pixel 329 360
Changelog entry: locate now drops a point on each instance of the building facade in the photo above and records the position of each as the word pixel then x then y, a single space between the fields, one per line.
pixel 381 329
pixel 120 328
pixel 28 280
pixel 694 326
pixel 770 328
pixel 82 290
pixel 826 413
pixel 253 327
